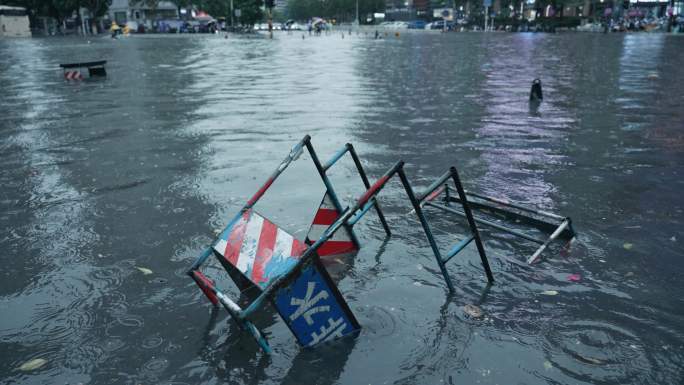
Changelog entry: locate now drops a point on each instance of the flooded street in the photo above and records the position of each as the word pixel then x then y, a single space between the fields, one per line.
pixel 102 178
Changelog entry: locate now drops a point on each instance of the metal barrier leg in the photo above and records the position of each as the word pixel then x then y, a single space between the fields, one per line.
pixel 362 173
pixel 331 190
pixel 426 227
pixel 546 244
pixel 471 223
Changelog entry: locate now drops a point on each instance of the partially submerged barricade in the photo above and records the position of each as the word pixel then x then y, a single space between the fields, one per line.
pixel 72 71
pixel 554 225
pixel 288 272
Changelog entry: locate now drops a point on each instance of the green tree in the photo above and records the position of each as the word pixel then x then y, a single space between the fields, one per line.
pixel 57 9
pixel 250 11
pixel 215 8
pixel 343 10
pixel 96 7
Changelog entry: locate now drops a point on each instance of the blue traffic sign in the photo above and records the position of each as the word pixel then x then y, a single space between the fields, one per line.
pixel 313 308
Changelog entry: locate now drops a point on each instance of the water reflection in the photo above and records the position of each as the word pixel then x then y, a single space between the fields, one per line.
pixel 140 169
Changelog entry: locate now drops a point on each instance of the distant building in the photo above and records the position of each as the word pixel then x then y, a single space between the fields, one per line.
pixel 407 9
pixel 281 5
pixel 422 8
pixel 122 12
pixel 399 10
pixel 14 22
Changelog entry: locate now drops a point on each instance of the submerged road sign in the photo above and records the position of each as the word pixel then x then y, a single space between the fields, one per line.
pixel 313 308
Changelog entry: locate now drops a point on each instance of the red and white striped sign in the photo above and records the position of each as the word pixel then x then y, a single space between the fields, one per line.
pixel 73 75
pixel 341 243
pixel 258 248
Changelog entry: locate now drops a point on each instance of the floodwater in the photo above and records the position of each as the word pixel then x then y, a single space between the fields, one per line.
pixel 100 178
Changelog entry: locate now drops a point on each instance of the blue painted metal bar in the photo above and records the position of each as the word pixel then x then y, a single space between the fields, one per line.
pixel 329 187
pixel 234 310
pixel 426 227
pixel 329 232
pixel 433 186
pixel 504 202
pixel 295 152
pixel 336 157
pixel 541 224
pixel 471 223
pixel 350 148
pixel 370 204
pixel 459 246
pixel 486 222
pixel 201 259
pixel 292 156
pixel 366 183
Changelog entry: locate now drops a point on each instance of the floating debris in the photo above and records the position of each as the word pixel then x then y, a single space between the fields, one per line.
pixel 473 311
pixel 33 364
pixel 590 360
pixel 548 365
pixel 628 246
pixel 144 270
pixel 574 277
pixel 549 292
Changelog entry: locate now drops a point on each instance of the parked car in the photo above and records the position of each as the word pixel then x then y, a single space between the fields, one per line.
pixel 416 24
pixel 439 24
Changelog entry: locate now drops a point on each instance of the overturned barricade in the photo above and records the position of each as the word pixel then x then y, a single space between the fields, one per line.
pixel 556 226
pixel 288 273
pixel 74 71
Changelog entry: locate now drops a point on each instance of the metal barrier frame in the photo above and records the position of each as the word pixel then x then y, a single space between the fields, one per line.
pixel 216 296
pixel 352 215
pixel 349 216
pixel 555 225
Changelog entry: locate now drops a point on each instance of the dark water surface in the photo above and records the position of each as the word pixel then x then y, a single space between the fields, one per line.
pixel 140 170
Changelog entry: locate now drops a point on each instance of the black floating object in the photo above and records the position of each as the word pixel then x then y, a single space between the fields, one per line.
pixel 95 68
pixel 84 64
pixel 536 91
pixel 97 71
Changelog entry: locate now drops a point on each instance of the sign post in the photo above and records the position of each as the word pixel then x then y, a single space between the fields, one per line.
pixel 232 14
pixel 487 4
